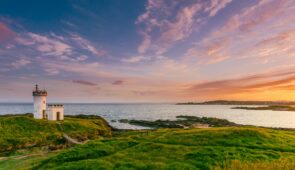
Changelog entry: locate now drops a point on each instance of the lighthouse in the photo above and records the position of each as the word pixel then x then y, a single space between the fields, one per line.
pixel 39 97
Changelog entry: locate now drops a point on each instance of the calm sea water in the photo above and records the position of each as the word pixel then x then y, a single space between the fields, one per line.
pixel 115 112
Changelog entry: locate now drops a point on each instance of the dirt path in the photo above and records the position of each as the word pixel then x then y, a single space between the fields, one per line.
pixel 68 138
pixel 20 156
pixel 73 141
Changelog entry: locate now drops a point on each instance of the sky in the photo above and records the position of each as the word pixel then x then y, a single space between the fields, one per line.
pixel 147 50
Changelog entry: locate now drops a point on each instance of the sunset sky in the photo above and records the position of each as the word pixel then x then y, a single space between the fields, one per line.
pixel 147 51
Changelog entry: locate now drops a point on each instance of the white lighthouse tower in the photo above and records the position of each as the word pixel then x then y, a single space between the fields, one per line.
pixel 39 103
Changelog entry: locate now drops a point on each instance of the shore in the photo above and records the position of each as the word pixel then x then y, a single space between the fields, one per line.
pixel 182 122
pixel 272 107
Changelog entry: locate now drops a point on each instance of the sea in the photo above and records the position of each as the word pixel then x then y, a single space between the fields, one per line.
pixel 113 112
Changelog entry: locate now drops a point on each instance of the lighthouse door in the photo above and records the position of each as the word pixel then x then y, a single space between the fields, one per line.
pixel 44 114
pixel 57 115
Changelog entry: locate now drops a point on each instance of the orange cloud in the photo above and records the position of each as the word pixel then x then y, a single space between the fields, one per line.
pixel 210 52
pixel 280 80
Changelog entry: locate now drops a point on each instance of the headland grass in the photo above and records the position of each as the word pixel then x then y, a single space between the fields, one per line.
pixel 230 148
pixel 213 148
pixel 23 131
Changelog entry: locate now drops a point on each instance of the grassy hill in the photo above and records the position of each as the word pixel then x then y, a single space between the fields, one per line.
pixel 212 148
pixel 23 131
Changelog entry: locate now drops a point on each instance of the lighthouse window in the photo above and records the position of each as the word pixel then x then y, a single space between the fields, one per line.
pixel 44 102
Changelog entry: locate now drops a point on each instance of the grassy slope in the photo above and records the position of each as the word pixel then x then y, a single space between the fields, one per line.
pixel 181 149
pixel 23 131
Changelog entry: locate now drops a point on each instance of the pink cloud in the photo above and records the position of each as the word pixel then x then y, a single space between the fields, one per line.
pixel 179 29
pixel 274 46
pixel 20 63
pixel 167 22
pixel 215 6
pixel 5 33
pixel 143 93
pixel 118 82
pixel 87 83
pixel 87 45
pixel 145 44
pixel 210 52
pixel 251 33
pixel 253 16
pixel 45 44
pixel 135 59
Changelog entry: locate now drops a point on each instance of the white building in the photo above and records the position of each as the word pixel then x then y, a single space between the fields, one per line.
pixel 55 112
pixel 39 97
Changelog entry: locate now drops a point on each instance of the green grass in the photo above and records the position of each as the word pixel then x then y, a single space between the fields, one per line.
pixel 214 148
pixel 16 163
pixel 217 148
pixel 23 131
pixel 280 164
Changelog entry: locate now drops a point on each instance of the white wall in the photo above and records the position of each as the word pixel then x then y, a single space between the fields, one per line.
pixel 52 112
pixel 39 106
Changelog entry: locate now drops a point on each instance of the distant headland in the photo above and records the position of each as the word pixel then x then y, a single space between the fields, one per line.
pixel 234 102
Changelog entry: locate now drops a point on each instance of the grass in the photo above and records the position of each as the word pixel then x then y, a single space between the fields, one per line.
pixel 280 164
pixel 23 162
pixel 214 148
pixel 23 131
pixel 229 148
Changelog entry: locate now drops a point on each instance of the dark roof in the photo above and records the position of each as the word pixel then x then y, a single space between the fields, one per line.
pixel 40 93
pixel 37 92
pixel 55 105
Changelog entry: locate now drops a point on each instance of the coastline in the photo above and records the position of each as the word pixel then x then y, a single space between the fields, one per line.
pixel 270 107
pixel 233 102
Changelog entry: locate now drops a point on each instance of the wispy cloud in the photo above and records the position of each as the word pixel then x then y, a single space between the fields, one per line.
pixel 210 52
pixel 87 45
pixel 50 46
pixel 83 82
pixel 248 34
pixel 5 33
pixel 215 6
pixel 144 93
pixel 135 59
pixel 72 47
pixel 20 63
pixel 118 82
pixel 167 22
pixel 73 67
pixel 45 44
pixel 253 83
pixel 276 46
